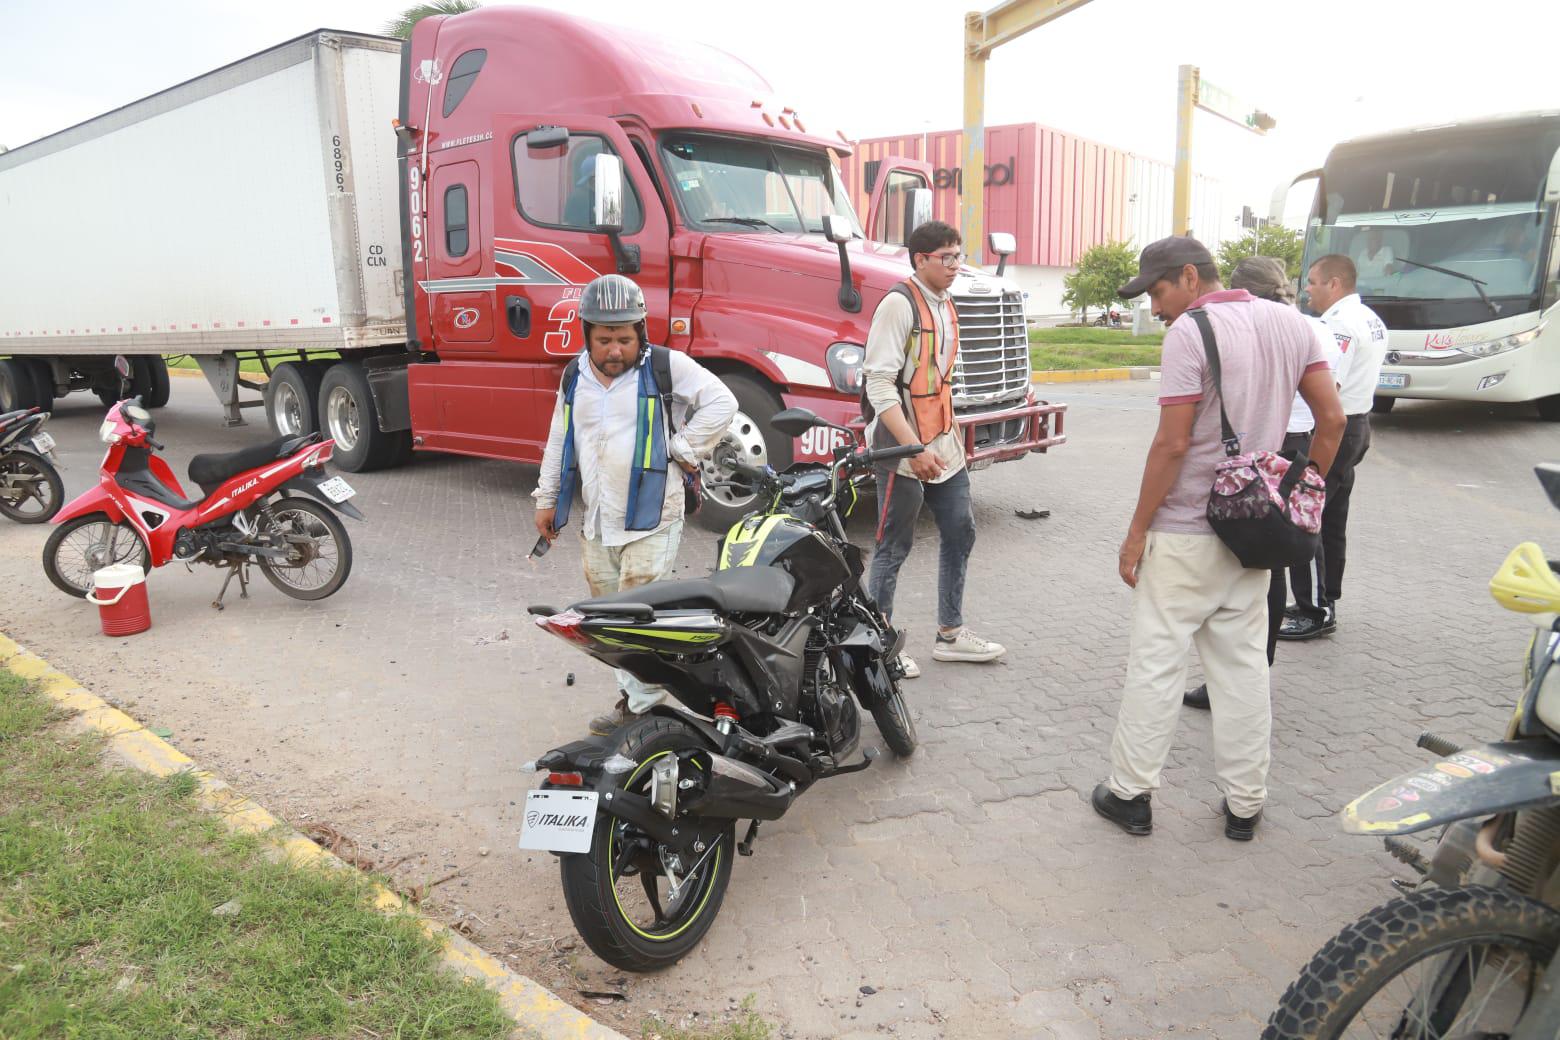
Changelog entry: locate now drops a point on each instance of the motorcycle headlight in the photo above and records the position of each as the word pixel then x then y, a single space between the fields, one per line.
pixel 106 432
pixel 1500 346
pixel 844 364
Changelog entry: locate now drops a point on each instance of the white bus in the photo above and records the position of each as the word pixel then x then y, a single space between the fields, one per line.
pixel 1452 229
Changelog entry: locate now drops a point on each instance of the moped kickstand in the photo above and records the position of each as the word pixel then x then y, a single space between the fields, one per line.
pixel 241 571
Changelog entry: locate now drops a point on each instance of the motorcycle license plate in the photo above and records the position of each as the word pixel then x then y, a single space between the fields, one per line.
pixel 558 821
pixel 43 443
pixel 1391 381
pixel 336 489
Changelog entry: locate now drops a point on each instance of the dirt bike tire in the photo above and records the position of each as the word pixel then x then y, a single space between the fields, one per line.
pixel 51 478
pixel 51 549
pixel 1366 956
pixel 588 885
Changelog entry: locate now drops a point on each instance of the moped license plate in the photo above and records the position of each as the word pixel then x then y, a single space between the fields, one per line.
pixel 336 489
pixel 43 443
pixel 558 821
pixel 1391 381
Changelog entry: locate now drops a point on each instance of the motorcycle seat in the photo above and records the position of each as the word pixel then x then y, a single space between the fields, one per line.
pixel 212 469
pixel 741 590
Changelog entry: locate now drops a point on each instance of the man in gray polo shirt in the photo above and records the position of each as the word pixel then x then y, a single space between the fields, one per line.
pixel 1188 586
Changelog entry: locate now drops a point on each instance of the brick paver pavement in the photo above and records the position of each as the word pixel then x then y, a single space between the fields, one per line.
pixel 971 887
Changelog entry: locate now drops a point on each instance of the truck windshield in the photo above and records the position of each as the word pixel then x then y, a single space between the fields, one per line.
pixel 1455 215
pixel 744 184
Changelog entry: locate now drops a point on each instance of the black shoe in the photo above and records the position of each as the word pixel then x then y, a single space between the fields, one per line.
pixel 1133 815
pixel 1240 828
pixel 1299 629
pixel 1197 698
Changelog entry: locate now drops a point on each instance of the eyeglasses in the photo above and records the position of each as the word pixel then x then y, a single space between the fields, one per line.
pixel 949 260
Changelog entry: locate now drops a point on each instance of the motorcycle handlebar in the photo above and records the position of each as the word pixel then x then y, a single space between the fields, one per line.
pixel 752 473
pixel 898 451
pixel 155 445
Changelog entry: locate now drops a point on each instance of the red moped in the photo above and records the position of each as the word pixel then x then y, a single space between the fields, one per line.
pixel 271 504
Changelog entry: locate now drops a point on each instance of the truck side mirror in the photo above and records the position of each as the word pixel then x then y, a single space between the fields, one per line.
pixel 838 230
pixel 1004 245
pixel 607 213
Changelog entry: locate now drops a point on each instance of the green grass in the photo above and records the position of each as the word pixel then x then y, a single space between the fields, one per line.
pixel 108 882
pixel 1052 349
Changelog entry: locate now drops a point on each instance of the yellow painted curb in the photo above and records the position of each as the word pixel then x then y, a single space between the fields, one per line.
pixel 536 1011
pixel 1081 375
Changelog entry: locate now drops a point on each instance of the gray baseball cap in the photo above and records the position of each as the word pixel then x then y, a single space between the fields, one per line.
pixel 1164 257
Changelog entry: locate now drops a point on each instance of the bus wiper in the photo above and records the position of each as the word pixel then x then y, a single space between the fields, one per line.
pixel 1478 284
pixel 744 221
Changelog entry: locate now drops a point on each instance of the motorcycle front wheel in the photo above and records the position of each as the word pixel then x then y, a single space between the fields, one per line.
pixel 319 554
pixel 1441 963
pixel 892 716
pixel 78 548
pixel 622 895
pixel 30 488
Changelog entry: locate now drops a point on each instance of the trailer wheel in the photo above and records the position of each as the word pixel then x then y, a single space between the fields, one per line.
pixel 43 383
pixel 292 398
pixel 348 417
pixel 17 388
pixel 156 389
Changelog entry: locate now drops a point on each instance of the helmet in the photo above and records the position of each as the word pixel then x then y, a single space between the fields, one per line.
pixel 612 299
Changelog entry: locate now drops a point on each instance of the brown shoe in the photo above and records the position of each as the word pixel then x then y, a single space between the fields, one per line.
pixel 608 724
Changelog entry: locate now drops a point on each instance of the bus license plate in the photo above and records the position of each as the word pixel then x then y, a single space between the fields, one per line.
pixel 43 443
pixel 1392 381
pixel 336 489
pixel 558 821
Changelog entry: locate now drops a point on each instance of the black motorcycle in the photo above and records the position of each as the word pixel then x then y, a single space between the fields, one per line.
pixel 30 487
pixel 769 654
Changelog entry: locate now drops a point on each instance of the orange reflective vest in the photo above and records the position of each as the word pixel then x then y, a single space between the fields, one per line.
pixel 931 388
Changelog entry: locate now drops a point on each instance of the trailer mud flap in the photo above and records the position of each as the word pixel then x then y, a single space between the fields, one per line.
pixel 387 381
pixel 1480 781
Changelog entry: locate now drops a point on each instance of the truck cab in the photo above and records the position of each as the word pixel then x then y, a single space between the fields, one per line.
pixel 538 151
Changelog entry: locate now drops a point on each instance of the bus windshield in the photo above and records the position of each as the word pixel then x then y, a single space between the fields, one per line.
pixel 748 184
pixel 1441 215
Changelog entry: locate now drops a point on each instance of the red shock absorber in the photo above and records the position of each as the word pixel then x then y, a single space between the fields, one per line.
pixel 725 717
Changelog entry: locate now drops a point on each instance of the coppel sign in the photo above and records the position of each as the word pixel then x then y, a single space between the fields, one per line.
pixel 998 175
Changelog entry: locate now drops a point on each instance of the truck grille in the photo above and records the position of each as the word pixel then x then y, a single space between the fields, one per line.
pixel 993 360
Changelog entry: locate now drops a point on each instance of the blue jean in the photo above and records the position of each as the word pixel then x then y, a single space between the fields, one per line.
pixel 900 498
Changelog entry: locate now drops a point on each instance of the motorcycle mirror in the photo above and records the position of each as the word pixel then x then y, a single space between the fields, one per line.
pixel 793 422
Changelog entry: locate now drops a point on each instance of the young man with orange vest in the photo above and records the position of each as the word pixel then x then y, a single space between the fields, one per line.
pixel 911 350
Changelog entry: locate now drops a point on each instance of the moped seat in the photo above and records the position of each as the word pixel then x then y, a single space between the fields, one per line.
pixel 212 469
pixel 741 590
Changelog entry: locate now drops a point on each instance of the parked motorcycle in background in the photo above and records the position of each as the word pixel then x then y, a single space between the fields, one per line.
pixel 271 504
pixel 1470 951
pixel 30 488
pixel 776 647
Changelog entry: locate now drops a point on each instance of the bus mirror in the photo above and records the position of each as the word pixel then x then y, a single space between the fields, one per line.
pixel 607 214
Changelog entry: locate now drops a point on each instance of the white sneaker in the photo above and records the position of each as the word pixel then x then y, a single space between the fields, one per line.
pixel 909 667
pixel 965 645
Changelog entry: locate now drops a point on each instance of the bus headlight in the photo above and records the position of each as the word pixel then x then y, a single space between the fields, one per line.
pixel 844 361
pixel 1500 346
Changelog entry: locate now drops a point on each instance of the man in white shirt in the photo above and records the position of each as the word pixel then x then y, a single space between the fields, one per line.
pixel 1375 260
pixel 618 448
pixel 1362 345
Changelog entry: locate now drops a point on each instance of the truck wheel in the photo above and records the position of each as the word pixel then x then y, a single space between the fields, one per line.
pixel 17 389
pixel 152 373
pixel 348 417
pixel 750 440
pixel 1383 405
pixel 292 398
pixel 1548 408
pixel 43 383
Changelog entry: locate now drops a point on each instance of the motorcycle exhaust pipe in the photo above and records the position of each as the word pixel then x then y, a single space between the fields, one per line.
pixel 738 791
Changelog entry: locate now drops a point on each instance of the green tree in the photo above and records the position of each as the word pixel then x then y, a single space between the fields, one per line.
pixel 1271 240
pixel 401 26
pixel 1101 271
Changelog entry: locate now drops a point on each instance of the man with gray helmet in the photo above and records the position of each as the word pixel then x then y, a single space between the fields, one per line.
pixel 630 419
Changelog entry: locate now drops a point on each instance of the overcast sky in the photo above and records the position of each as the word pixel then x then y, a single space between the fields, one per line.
pixel 1327 70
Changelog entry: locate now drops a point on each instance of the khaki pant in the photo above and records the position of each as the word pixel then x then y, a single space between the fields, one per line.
pixel 617 568
pixel 1193 589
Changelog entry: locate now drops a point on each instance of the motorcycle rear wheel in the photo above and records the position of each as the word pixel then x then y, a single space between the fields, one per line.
pixel 608 889
pixel 321 552
pixel 1446 942
pixel 47 494
pixel 70 557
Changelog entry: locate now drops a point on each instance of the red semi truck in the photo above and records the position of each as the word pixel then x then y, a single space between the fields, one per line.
pixel 530 152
